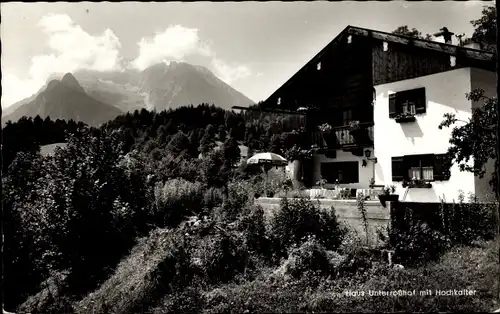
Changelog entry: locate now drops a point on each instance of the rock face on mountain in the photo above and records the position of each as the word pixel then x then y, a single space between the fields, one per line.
pixel 179 84
pixel 160 87
pixel 63 99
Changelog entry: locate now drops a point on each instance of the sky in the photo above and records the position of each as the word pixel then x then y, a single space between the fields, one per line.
pixel 253 46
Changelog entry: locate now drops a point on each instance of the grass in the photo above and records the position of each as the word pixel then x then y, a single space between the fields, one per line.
pixel 133 281
pixel 461 268
pixel 275 291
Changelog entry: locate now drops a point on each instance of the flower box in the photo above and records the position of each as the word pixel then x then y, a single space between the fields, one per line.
pixel 384 198
pixel 419 184
pixel 405 118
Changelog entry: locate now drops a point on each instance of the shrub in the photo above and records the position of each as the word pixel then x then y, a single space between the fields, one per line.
pixel 418 244
pixel 308 259
pixel 299 218
pixel 469 222
pixel 212 198
pixel 253 226
pixel 221 256
pixel 175 200
pixel 238 202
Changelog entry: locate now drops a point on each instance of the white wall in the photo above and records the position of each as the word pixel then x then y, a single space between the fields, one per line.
pixel 365 173
pixel 445 93
pixel 487 81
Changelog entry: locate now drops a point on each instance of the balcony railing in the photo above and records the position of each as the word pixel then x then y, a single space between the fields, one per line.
pixel 343 138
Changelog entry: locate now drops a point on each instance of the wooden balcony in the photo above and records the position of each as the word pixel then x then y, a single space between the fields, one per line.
pixel 354 139
pixel 344 138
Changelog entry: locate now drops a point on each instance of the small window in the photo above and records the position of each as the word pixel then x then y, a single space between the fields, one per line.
pixel 279 101
pixel 407 102
pixel 344 172
pixel 427 167
pixel 349 39
pixel 385 45
pixel 453 61
pixel 318 66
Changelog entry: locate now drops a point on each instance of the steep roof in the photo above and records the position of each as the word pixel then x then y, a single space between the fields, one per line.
pixel 453 50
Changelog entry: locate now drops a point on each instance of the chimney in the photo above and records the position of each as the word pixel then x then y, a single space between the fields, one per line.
pixel 446 34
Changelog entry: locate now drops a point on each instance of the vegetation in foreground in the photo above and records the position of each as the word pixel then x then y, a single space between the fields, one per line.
pixel 180 234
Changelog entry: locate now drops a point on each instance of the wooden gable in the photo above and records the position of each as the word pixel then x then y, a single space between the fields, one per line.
pixel 349 69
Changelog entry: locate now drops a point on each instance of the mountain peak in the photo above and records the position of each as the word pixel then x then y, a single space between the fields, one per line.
pixel 70 81
pixel 53 83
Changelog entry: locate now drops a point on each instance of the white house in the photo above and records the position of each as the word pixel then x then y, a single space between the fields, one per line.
pixel 397 89
pixel 411 146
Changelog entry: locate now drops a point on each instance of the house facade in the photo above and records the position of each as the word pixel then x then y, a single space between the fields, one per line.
pixel 382 97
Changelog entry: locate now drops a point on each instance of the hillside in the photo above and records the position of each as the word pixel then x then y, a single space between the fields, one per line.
pixel 64 99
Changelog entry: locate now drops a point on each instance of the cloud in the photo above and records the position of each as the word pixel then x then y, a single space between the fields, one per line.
pixel 72 49
pixel 176 43
pixel 229 73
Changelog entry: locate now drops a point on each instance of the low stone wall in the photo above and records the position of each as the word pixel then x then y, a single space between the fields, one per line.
pixel 347 212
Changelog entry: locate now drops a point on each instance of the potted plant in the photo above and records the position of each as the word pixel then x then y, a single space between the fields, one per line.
pixel 325 128
pixel 354 125
pixel 287 185
pixel 388 195
pixel 372 182
pixel 322 183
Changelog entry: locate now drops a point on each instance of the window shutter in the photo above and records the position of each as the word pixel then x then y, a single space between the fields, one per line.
pixel 392 105
pixel 442 167
pixel 427 160
pixel 418 96
pixel 398 171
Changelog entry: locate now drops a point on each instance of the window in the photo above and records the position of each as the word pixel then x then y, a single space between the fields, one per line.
pixel 318 66
pixel 385 46
pixel 349 39
pixel 279 101
pixel 345 172
pixel 408 102
pixel 346 117
pixel 426 167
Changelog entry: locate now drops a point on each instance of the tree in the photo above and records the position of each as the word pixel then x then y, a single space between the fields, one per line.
pixel 221 133
pixel 475 138
pixel 485 29
pixel 194 143
pixel 405 31
pixel 275 145
pixel 179 143
pixel 231 152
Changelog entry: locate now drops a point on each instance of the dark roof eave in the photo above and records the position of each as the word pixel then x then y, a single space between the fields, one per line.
pixel 476 54
pixel 422 43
